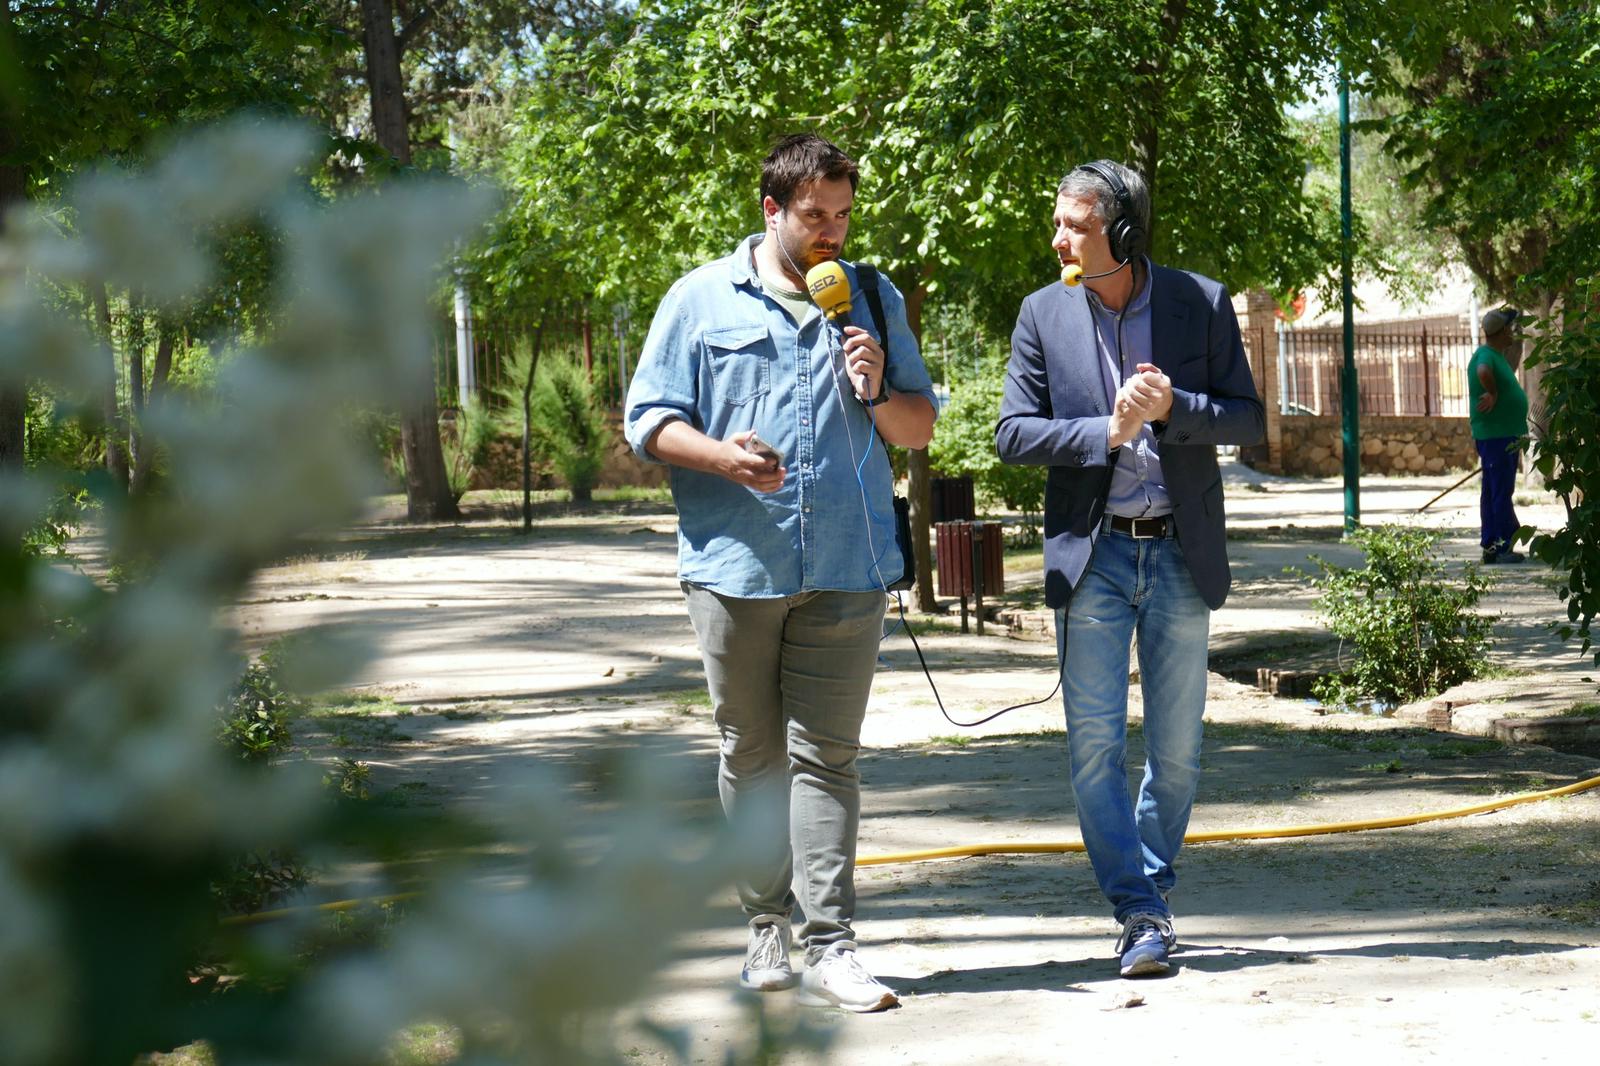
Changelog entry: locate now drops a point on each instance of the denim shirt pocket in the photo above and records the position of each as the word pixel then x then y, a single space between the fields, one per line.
pixel 741 363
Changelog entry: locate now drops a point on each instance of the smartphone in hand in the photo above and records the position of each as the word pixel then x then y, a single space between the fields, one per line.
pixel 760 447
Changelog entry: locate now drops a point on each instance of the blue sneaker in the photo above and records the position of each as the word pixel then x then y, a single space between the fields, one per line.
pixel 1146 938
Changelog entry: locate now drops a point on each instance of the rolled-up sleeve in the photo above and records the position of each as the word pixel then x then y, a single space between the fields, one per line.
pixel 665 385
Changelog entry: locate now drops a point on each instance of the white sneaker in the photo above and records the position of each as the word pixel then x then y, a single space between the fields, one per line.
pixel 766 959
pixel 839 980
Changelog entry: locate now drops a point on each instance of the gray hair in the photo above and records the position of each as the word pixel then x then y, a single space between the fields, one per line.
pixel 1085 184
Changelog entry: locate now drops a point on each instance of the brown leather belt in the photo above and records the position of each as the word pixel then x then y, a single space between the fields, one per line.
pixel 1152 528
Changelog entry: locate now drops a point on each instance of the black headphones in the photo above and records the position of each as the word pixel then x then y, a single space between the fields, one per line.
pixel 1126 236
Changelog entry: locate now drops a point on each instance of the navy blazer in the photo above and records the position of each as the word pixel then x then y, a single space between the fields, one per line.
pixel 1054 413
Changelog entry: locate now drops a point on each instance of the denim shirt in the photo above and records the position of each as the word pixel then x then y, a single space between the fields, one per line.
pixel 723 356
pixel 1138 484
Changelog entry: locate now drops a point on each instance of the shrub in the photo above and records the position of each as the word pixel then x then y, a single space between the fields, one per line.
pixel 59 449
pixel 465 435
pixel 963 443
pixel 1413 626
pixel 1567 455
pixel 255 719
pixel 124 813
pixel 569 426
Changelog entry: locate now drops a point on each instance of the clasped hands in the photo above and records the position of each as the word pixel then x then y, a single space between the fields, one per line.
pixel 1145 397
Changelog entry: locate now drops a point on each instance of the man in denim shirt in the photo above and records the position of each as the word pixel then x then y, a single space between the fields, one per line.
pixel 770 419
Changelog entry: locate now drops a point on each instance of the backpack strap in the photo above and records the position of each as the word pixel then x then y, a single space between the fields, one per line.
pixel 867 282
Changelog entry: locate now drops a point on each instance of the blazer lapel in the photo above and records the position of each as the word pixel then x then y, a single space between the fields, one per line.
pixel 1078 347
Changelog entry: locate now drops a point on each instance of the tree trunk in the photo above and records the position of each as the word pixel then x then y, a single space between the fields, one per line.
pixel 1153 72
pixel 1547 306
pixel 918 472
pixel 428 496
pixel 527 427
pixel 13 397
pixel 13 428
pixel 145 457
pixel 116 460
pixel 135 334
pixel 384 84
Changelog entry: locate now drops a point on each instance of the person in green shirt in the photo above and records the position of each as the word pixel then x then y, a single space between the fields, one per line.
pixel 1499 416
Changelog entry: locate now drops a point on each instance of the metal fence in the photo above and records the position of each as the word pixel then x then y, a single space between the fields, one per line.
pixel 1400 370
pixel 602 344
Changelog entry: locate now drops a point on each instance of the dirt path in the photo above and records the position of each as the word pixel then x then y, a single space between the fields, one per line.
pixel 1471 940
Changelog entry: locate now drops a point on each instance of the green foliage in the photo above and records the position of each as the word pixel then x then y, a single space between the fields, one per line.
pixel 125 815
pixel 466 435
pixel 95 80
pixel 57 449
pixel 350 778
pixel 260 879
pixel 963 116
pixel 569 426
pixel 1412 624
pixel 255 718
pixel 963 442
pixel 1497 129
pixel 1568 456
pixel 375 435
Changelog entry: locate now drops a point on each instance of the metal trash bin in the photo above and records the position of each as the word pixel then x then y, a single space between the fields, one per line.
pixel 950 499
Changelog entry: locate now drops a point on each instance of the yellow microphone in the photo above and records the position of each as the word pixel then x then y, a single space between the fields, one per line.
pixel 1071 275
pixel 830 289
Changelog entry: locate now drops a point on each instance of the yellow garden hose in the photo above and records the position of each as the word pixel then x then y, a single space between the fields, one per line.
pixel 1048 848
pixel 965 851
pixel 337 905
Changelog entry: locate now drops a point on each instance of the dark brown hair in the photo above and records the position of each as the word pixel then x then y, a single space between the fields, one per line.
pixel 800 158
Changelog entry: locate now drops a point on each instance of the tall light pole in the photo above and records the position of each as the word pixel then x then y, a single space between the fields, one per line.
pixel 1350 391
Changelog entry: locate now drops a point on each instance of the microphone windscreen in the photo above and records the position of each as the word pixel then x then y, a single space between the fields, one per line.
pixel 1071 275
pixel 830 289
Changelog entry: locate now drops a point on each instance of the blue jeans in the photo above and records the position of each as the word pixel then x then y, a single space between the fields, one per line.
pixel 1497 517
pixel 789 680
pixel 1134 586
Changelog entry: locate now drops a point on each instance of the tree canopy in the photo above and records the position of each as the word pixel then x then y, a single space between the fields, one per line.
pixel 639 144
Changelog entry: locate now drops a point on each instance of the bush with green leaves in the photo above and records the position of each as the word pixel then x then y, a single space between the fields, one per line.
pixel 1567 454
pixel 569 425
pixel 125 817
pixel 963 444
pixel 255 719
pixel 63 446
pixel 1412 623
pixel 466 433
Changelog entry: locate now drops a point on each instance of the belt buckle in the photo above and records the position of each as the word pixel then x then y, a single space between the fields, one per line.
pixel 1158 525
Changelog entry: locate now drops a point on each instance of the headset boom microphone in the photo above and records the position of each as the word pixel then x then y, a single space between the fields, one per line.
pixel 1072 274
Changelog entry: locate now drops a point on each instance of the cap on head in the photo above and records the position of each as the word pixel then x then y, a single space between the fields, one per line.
pixel 1499 320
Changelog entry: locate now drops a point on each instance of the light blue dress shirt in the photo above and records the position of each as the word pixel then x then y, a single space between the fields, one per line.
pixel 723 356
pixel 1138 486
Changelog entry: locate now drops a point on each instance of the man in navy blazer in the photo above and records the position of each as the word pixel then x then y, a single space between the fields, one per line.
pixel 1123 379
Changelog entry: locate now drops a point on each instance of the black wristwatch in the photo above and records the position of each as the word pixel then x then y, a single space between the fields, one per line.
pixel 882 397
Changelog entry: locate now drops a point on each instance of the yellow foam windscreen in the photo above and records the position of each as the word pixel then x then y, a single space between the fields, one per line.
pixel 1071 274
pixel 830 289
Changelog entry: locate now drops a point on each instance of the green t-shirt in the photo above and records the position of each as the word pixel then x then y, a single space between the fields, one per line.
pixel 1509 418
